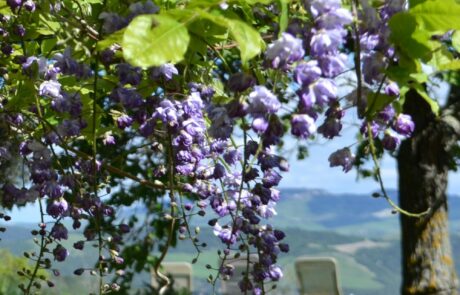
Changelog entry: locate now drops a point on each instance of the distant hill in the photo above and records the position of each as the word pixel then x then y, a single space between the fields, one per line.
pixel 357 229
pixel 360 214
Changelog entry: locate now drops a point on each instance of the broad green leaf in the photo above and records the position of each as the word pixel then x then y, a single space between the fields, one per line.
pixel 48 27
pixel 418 77
pixel 441 58
pixel 451 66
pixel 284 15
pixel 376 102
pixel 456 40
pixel 47 45
pixel 433 103
pixel 25 95
pixel 413 30
pixel 249 40
pixel 403 25
pixel 88 113
pixel 153 40
pixel 439 15
pixel 210 31
pixel 113 38
pixel 250 43
pixel 413 3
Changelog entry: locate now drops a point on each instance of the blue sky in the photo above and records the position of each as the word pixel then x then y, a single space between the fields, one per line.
pixel 314 172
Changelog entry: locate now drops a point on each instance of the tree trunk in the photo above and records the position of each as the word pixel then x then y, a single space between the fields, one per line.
pixel 423 165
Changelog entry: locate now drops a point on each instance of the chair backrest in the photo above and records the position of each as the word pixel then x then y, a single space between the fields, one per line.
pixel 230 287
pixel 180 272
pixel 317 276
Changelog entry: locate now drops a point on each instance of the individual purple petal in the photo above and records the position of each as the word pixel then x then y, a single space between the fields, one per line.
pixel 387 114
pixel 404 125
pixel 307 72
pixel 335 18
pixel 302 126
pixel 332 64
pixel 259 125
pixel 392 89
pixel 124 121
pixel 375 129
pixel 326 41
pixel 369 42
pixel 226 234
pixel 271 178
pixel 50 88
pixel 330 128
pixel 60 253
pixel 342 157
pixel 167 71
pixel 263 101
pixel 59 231
pixel 108 139
pixel 319 7
pixel 284 51
pixel 193 105
pixel 390 141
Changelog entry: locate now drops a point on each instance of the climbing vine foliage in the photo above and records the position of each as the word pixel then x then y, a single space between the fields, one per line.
pixel 182 108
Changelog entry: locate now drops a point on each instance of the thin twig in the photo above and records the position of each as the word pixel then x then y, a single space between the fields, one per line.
pixel 380 180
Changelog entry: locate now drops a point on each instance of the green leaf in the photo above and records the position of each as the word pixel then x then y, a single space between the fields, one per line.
pixel 412 30
pixel 210 31
pixel 47 45
pixel 418 77
pixel 456 40
pixel 441 58
pixel 250 43
pixel 249 40
pixel 284 15
pixel 451 66
pixel 113 38
pixel 25 95
pixel 153 40
pixel 433 103
pixel 376 102
pixel 439 15
pixel 403 26
pixel 413 3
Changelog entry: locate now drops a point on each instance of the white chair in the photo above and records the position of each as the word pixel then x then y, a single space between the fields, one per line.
pixel 318 276
pixel 180 272
pixel 230 287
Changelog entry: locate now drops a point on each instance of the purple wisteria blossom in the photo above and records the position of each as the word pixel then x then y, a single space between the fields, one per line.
pixel 262 101
pixel 50 89
pixel 284 51
pixel 167 71
pixel 307 72
pixel 404 125
pixel 343 157
pixel 302 126
pixel 60 253
pixel 391 140
pixel 59 232
pixel 392 89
